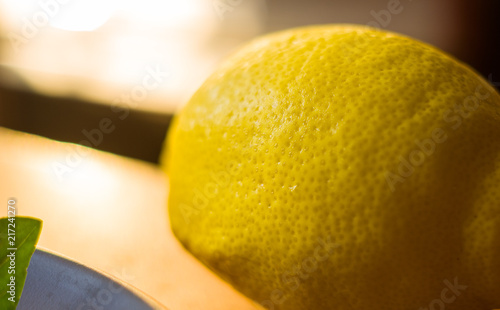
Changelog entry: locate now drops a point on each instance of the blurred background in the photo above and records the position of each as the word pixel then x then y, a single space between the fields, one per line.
pixel 107 75
pixel 66 64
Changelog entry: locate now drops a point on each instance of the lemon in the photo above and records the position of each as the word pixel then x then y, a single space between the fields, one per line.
pixel 342 167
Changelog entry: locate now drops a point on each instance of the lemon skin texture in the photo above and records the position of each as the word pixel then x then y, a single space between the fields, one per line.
pixel 342 167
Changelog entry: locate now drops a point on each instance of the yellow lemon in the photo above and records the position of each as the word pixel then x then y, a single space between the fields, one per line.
pixel 342 167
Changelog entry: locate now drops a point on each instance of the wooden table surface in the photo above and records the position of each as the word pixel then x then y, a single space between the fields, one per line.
pixel 108 212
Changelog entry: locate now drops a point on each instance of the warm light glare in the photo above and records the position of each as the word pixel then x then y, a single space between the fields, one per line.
pixel 74 15
pixel 90 179
pixel 89 15
pixel 100 50
pixel 165 12
pixel 83 15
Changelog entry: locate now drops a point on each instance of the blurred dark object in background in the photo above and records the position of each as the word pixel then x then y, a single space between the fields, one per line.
pixel 469 30
pixel 139 135
pixel 480 36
